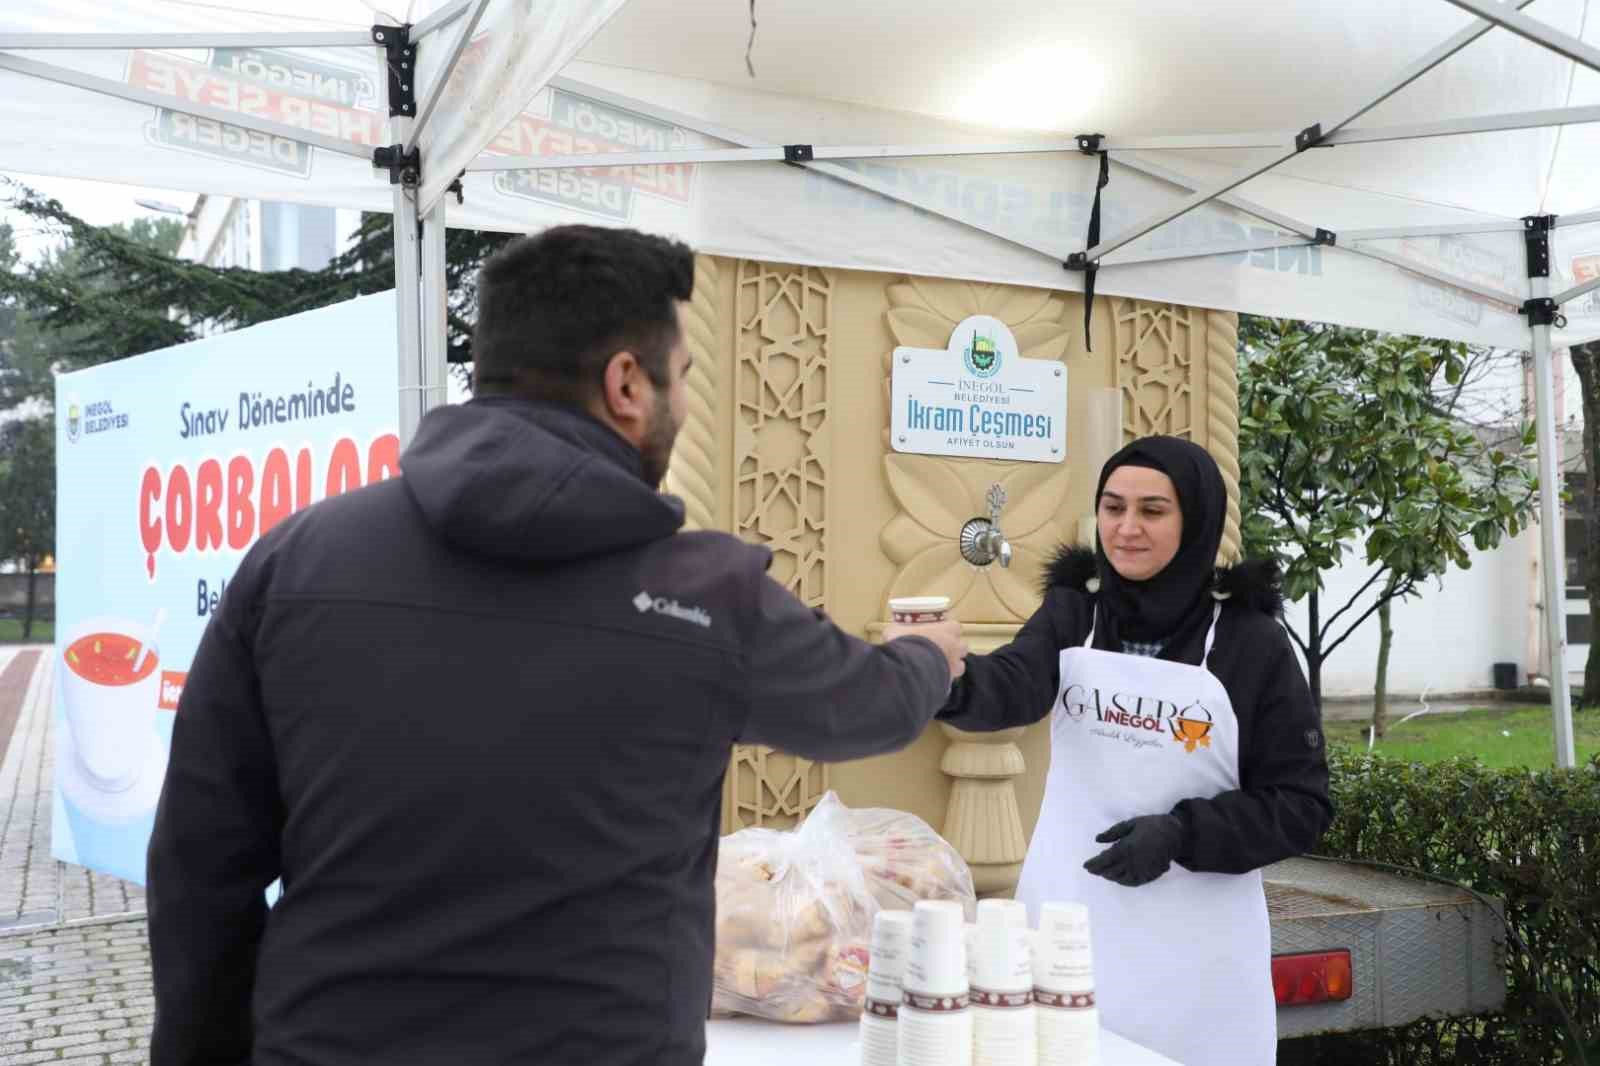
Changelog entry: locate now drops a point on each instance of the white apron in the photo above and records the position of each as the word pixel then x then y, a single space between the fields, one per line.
pixel 1183 965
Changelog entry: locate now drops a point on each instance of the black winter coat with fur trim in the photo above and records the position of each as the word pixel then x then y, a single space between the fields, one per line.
pixel 1282 808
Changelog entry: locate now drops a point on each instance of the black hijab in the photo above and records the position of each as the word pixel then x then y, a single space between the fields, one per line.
pixel 1174 604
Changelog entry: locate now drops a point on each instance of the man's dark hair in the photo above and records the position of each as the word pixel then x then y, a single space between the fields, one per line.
pixel 554 307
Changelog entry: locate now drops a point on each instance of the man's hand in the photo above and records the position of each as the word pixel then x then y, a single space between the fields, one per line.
pixel 946 634
pixel 1144 848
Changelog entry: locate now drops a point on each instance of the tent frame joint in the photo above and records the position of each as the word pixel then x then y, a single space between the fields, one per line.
pixel 1536 231
pixel 405 168
pixel 1544 311
pixel 401 63
pixel 1310 137
pixel 1078 261
pixel 798 153
pixel 1325 237
pixel 1089 143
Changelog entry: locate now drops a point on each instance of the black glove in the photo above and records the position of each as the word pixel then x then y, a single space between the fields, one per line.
pixel 1144 848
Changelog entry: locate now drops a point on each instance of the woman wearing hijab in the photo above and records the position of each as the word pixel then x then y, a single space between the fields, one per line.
pixel 1185 755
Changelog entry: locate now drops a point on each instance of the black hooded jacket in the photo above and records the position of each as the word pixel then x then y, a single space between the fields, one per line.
pixel 477 719
pixel 1282 808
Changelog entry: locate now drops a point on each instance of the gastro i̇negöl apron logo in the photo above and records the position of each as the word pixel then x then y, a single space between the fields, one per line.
pixel 1189 725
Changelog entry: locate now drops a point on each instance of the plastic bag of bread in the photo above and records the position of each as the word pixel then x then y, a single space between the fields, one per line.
pixel 794 918
pixel 904 860
pixel 795 909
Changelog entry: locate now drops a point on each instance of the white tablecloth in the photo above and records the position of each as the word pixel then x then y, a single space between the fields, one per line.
pixel 753 1042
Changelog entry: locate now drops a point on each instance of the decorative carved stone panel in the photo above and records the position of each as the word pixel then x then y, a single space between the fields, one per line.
pixel 771 789
pixel 792 365
pixel 1222 417
pixel 1177 369
pixel 935 495
pixel 781 421
pixel 780 487
pixel 1155 350
pixel 693 473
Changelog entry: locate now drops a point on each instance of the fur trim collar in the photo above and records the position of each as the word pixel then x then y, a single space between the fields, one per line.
pixel 1253 583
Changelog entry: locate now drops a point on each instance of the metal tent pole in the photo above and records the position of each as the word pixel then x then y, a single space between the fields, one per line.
pixel 433 352
pixel 1541 316
pixel 408 295
pixel 407 276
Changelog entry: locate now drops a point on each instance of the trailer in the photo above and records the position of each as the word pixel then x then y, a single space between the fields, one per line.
pixel 1354 947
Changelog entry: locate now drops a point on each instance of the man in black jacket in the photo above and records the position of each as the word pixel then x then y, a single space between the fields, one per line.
pixel 476 718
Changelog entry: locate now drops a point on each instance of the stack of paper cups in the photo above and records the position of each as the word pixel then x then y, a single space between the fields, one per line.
pixel 935 1019
pixel 880 1025
pixel 972 954
pixel 1063 987
pixel 1004 1032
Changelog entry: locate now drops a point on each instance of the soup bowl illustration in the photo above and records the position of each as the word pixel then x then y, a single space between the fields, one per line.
pixel 1191 732
pixel 110 687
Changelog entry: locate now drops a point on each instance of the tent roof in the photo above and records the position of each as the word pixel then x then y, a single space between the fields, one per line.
pixel 1144 67
pixel 1163 67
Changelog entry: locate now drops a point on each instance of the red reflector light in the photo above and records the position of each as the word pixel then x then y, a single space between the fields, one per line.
pixel 1316 977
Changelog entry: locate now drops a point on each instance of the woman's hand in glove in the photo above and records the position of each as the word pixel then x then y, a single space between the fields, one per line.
pixel 1143 849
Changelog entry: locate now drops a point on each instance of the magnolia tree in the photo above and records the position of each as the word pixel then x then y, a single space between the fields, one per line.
pixel 1347 440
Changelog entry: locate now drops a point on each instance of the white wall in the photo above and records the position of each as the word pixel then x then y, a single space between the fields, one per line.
pixel 1447 638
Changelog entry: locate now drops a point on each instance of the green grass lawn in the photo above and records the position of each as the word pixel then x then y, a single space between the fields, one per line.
pixel 11 631
pixel 1501 737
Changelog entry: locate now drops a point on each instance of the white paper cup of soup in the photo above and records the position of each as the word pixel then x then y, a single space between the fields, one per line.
pixel 914 610
pixel 110 690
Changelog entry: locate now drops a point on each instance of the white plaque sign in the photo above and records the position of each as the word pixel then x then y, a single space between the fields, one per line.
pixel 979 399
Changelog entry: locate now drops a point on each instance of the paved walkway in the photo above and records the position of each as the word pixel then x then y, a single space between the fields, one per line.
pixel 74 960
pixel 35 889
pixel 1360 710
pixel 78 995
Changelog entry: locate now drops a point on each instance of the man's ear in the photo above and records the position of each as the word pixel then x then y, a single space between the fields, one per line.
pixel 626 394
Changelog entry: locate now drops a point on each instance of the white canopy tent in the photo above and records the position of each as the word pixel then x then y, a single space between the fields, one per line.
pixel 1425 166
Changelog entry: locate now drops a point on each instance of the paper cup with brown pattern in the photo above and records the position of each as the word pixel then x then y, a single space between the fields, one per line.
pixel 916 610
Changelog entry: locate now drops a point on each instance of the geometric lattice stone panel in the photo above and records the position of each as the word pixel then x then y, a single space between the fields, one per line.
pixel 781 451
pixel 781 432
pixel 1156 342
pixel 770 789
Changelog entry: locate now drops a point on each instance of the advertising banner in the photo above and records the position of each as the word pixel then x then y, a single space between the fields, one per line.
pixel 169 467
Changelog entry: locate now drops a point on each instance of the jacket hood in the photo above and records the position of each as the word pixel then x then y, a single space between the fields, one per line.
pixel 531 482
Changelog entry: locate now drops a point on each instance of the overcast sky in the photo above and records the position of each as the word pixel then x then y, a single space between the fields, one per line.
pixel 101 203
